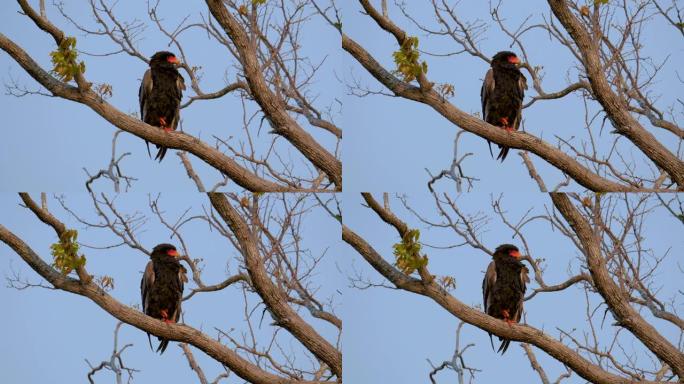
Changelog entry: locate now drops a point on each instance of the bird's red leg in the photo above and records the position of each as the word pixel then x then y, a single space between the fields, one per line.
pixel 162 124
pixel 165 316
pixel 504 122
pixel 507 317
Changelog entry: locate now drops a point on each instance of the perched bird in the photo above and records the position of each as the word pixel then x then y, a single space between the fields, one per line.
pixel 502 95
pixel 162 287
pixel 160 95
pixel 503 288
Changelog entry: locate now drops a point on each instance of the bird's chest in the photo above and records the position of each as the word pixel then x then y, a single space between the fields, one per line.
pixel 164 90
pixel 508 286
pixel 506 91
pixel 166 283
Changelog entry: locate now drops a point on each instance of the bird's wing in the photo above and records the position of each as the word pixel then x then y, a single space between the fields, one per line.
pixel 146 283
pixel 521 87
pixel 182 278
pixel 180 85
pixel 524 279
pixel 144 91
pixel 488 284
pixel 487 89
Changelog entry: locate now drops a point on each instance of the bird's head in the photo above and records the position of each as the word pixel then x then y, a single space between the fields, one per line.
pixel 164 59
pixel 165 249
pixel 508 250
pixel 505 59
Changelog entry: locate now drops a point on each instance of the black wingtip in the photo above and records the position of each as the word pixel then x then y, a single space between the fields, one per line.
pixel 490 149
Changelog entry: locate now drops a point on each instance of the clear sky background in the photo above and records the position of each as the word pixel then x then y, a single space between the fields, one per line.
pixel 391 333
pixel 54 139
pixel 47 334
pixel 392 141
pixel 388 143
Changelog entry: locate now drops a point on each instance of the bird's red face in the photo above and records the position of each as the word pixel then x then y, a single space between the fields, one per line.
pixel 173 60
pixel 513 59
pixel 172 253
pixel 514 254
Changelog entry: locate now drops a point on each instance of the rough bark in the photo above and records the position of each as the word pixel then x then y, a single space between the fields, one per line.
pixel 274 299
pixel 625 315
pixel 273 107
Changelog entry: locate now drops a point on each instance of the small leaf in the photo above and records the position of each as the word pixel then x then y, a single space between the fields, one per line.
pixel 407 253
pixel 65 253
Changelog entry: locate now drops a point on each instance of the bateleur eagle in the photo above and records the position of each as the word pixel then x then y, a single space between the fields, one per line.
pixel 160 95
pixel 503 288
pixel 162 287
pixel 502 95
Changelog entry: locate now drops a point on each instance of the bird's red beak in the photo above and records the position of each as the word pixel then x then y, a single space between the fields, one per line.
pixel 515 254
pixel 172 252
pixel 173 60
pixel 513 60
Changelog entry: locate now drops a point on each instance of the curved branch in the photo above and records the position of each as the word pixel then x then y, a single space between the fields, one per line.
pixel 522 333
pixel 616 109
pixel 624 314
pixel 272 106
pixel 272 296
pixel 175 332
pixel 175 139
pixel 467 122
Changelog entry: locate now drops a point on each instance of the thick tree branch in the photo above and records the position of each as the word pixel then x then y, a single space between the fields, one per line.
pixel 272 296
pixel 467 122
pixel 272 106
pixel 614 297
pixel 615 108
pixel 175 332
pixel 522 333
pixel 175 139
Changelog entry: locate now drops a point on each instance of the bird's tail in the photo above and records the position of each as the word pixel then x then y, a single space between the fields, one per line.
pixel 490 148
pixel 502 154
pixel 160 153
pixel 149 340
pixel 163 343
pixel 504 345
pixel 147 143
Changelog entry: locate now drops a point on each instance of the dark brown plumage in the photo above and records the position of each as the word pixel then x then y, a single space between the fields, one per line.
pixel 503 288
pixel 162 287
pixel 160 94
pixel 502 95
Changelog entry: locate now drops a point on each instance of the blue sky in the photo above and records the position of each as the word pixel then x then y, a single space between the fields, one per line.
pixel 391 333
pixel 388 143
pixel 47 334
pixel 66 137
pixel 392 141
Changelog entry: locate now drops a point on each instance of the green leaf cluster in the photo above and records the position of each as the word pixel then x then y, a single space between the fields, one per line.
pixel 64 60
pixel 406 59
pixel 407 253
pixel 258 2
pixel 65 253
pixel 601 2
